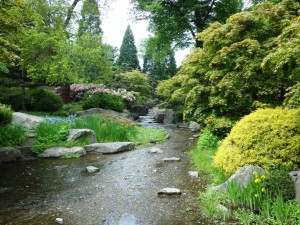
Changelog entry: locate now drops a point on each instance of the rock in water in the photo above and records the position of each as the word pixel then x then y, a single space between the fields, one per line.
pixel 194 127
pixel 194 174
pixel 169 191
pixel 172 159
pixel 156 150
pixel 59 220
pixel 109 148
pixel 57 152
pixel 92 169
pixel 9 154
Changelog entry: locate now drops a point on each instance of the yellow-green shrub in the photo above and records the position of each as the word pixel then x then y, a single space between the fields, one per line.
pixel 264 137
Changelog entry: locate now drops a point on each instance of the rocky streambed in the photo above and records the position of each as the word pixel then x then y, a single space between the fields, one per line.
pixel 124 191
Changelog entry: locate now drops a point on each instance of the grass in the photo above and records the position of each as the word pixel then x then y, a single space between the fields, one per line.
pixel 202 156
pixel 145 136
pixel 12 135
pixel 54 131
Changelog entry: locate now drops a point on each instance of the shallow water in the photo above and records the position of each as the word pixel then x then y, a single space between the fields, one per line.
pixel 124 192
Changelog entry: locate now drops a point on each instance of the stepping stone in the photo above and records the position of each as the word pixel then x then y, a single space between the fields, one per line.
pixel 109 148
pixel 172 159
pixel 57 152
pixel 194 174
pixel 92 169
pixel 169 191
pixel 156 150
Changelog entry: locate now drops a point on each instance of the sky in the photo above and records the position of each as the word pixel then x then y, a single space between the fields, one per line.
pixel 115 21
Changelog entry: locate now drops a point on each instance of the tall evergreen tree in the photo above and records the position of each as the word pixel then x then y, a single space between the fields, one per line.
pixel 128 59
pixel 159 61
pixel 90 19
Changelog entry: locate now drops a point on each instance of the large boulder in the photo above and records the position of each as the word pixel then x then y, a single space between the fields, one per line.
pixel 242 177
pixel 194 127
pixel 165 116
pixel 57 152
pixel 26 120
pixel 295 175
pixel 76 134
pixel 109 148
pixel 125 114
pixel 9 154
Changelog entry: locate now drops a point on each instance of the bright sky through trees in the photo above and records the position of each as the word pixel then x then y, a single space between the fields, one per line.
pixel 114 24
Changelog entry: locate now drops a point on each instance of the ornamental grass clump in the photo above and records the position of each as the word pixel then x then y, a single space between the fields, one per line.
pixel 264 137
pixel 6 114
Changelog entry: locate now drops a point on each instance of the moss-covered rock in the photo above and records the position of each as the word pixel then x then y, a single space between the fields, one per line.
pixel 265 137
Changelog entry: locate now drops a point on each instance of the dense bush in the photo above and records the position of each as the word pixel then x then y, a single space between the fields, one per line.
pixel 279 179
pixel 11 96
pixel 248 62
pixel 12 136
pixel 43 101
pixel 265 137
pixel 135 82
pixel 6 114
pixel 105 101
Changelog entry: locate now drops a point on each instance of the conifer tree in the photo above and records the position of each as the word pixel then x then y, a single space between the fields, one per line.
pixel 90 19
pixel 128 59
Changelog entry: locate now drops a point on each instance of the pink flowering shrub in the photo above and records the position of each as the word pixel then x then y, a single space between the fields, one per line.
pixel 78 91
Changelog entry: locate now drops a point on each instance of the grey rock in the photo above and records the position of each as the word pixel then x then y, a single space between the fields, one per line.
pixel 59 220
pixel 109 148
pixel 76 134
pixel 9 154
pixel 194 174
pixel 57 152
pixel 295 175
pixel 169 191
pixel 242 177
pixel 26 120
pixel 104 111
pixel 165 116
pixel 172 159
pixel 222 208
pixel 194 127
pixel 92 169
pixel 156 150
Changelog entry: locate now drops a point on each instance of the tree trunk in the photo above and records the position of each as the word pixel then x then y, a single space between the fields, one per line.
pixel 65 93
pixel 23 87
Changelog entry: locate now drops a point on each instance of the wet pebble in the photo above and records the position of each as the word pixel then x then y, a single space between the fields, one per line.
pixel 172 159
pixel 59 220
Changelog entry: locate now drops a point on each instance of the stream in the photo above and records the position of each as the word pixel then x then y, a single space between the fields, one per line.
pixel 124 192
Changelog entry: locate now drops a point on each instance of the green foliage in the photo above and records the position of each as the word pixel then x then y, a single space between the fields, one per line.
pixel 135 82
pixel 6 114
pixel 90 19
pixel 178 22
pixel 279 180
pixel 105 101
pixel 11 96
pixel 202 155
pixel 144 136
pixel 69 109
pixel 12 135
pixel 210 202
pixel 250 61
pixel 105 131
pixel 50 134
pixel 292 98
pixel 266 136
pixel 159 60
pixel 42 100
pixel 128 59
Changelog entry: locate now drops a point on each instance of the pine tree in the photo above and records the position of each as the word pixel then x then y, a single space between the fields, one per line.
pixel 128 59
pixel 90 19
